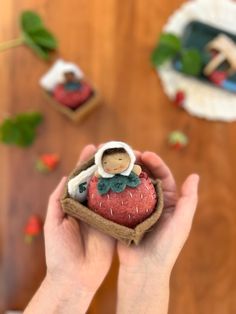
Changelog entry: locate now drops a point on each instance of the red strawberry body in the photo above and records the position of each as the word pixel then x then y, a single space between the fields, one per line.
pixel 74 98
pixel 127 208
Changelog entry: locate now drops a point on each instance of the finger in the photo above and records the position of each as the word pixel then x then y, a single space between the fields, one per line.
pixel 160 170
pixel 138 155
pixel 186 206
pixel 86 153
pixel 55 213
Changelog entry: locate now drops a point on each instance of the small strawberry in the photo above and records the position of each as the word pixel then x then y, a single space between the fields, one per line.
pixel 180 98
pixel 177 140
pixel 33 228
pixel 47 162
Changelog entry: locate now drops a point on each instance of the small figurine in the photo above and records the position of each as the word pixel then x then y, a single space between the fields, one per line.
pixel 222 66
pixel 68 90
pixel 115 187
pixel 73 92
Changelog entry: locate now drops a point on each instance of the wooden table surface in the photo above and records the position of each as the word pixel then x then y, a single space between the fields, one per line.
pixel 112 40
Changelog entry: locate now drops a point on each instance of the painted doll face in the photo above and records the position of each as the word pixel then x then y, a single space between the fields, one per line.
pixel 115 163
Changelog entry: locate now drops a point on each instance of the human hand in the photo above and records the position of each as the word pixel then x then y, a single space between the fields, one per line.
pixel 74 250
pixel 148 265
pixel 78 257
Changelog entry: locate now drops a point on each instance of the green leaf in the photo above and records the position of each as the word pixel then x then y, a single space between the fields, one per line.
pixel 32 118
pixel 36 35
pixel 103 186
pixel 21 129
pixel 161 54
pixel 191 62
pixel 8 132
pixel 44 38
pixel 171 41
pixel 40 51
pixel 169 45
pixel 30 21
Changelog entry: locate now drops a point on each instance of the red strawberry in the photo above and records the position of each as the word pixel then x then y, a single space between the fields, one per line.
pixel 127 208
pixel 50 160
pixel 32 228
pixel 47 162
pixel 179 98
pixel 72 99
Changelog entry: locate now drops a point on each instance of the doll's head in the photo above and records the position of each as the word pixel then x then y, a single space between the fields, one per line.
pixel 69 76
pixel 115 160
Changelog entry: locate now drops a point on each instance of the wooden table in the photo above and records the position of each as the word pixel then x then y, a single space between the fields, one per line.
pixel 112 40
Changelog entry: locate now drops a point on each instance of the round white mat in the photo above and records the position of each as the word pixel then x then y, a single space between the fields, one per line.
pixel 202 100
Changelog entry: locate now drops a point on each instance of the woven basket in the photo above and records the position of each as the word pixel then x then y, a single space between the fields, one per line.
pixel 119 232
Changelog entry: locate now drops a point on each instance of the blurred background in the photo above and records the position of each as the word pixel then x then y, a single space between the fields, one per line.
pixel 112 41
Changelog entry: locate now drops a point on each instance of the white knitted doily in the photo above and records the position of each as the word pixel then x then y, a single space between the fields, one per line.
pixel 202 100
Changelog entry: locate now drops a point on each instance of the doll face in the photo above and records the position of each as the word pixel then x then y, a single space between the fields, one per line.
pixel 115 163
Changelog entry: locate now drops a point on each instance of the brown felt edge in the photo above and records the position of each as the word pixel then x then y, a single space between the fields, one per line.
pixel 119 232
pixel 78 114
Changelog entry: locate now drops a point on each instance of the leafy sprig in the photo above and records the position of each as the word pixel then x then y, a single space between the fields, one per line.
pixel 170 47
pixel 21 129
pixel 34 35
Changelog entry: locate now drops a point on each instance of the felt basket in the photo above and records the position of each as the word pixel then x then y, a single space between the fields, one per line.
pixel 78 114
pixel 124 234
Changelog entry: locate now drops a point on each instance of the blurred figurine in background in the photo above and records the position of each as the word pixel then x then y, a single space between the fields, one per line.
pixel 73 92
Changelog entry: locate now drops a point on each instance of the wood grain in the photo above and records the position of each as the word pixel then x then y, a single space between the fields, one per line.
pixel 112 40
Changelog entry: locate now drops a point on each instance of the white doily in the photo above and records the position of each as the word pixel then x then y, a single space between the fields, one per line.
pixel 202 100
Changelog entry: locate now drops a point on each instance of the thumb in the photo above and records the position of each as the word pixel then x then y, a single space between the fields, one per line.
pixel 186 205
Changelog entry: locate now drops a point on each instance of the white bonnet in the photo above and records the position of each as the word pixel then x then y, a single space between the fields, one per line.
pixel 109 145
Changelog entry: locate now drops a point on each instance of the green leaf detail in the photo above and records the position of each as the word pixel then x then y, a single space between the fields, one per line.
pixel 191 62
pixel 169 45
pixel 133 180
pixel 30 21
pixel 118 183
pixel 44 38
pixel 161 54
pixel 40 51
pixel 103 186
pixel 36 35
pixel 20 130
pixel 170 40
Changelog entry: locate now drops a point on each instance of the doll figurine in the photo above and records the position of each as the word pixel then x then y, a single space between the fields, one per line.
pixel 115 187
pixel 73 92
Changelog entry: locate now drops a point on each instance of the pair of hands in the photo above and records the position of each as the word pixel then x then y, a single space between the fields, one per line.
pixel 79 257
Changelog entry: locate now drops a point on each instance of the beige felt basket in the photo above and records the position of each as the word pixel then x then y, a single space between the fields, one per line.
pixel 119 232
pixel 78 114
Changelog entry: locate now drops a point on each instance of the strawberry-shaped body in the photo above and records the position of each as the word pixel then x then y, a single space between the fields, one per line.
pixel 128 207
pixel 115 187
pixel 72 93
